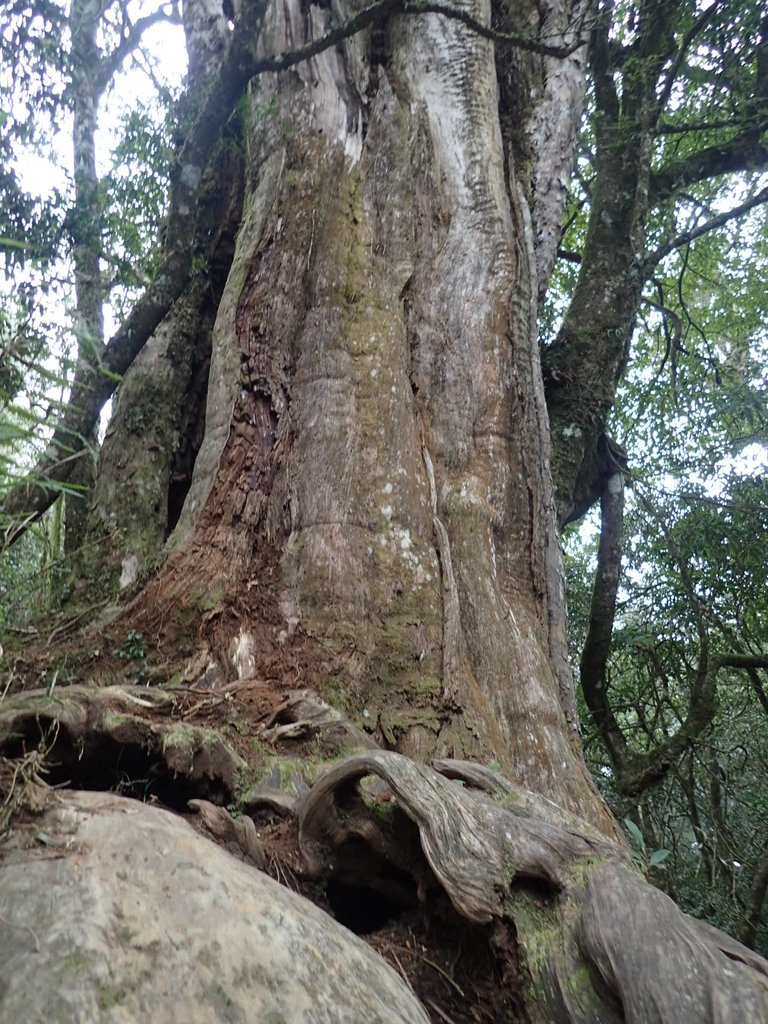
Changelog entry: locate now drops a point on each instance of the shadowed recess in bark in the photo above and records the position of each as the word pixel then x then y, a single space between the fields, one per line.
pixel 108 739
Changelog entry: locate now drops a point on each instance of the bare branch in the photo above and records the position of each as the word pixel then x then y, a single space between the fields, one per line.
pixel 744 152
pixel 688 38
pixel 569 256
pixel 686 237
pixel 672 337
pixel 520 42
pixel 130 41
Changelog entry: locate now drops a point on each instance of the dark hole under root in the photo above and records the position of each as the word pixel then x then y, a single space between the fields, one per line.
pixel 98 761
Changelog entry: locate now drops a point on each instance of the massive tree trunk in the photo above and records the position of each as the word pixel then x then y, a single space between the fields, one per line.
pixel 376 446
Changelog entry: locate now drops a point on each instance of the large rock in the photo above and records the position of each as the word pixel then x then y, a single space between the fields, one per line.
pixel 123 913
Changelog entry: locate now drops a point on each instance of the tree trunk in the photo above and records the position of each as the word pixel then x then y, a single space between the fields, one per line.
pixel 87 246
pixel 376 444
pixel 159 419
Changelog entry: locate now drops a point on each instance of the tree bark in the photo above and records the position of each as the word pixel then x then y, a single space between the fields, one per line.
pixel 376 427
pixel 87 88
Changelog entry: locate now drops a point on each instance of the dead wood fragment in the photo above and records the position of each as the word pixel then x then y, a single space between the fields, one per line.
pixel 304 713
pixel 223 826
pixel 273 799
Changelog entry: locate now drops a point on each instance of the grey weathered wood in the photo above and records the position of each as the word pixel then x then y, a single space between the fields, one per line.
pixel 606 938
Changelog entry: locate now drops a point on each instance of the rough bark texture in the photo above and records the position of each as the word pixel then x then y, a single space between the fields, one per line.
pixel 600 945
pixel 376 413
pixel 158 423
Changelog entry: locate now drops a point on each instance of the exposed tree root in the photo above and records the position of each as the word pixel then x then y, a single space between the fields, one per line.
pixel 110 738
pixel 600 944
pixel 561 911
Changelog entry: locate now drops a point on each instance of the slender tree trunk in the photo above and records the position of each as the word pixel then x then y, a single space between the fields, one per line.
pixel 86 253
pixel 159 418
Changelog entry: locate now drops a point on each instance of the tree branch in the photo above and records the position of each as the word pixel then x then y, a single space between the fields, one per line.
pixel 757 686
pixel 672 338
pixel 712 224
pixel 744 152
pixel 112 61
pixel 594 656
pixel 637 773
pixel 688 38
pixel 94 385
pixel 520 42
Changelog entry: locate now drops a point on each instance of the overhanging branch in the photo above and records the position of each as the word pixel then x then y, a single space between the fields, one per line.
pixel 520 42
pixel 130 41
pixel 744 152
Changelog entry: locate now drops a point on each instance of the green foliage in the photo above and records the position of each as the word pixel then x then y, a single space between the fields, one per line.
pixel 696 439
pixel 34 575
pixel 640 854
pixel 692 413
pixel 33 75
pixel 133 650
pixel 41 334
pixel 133 216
